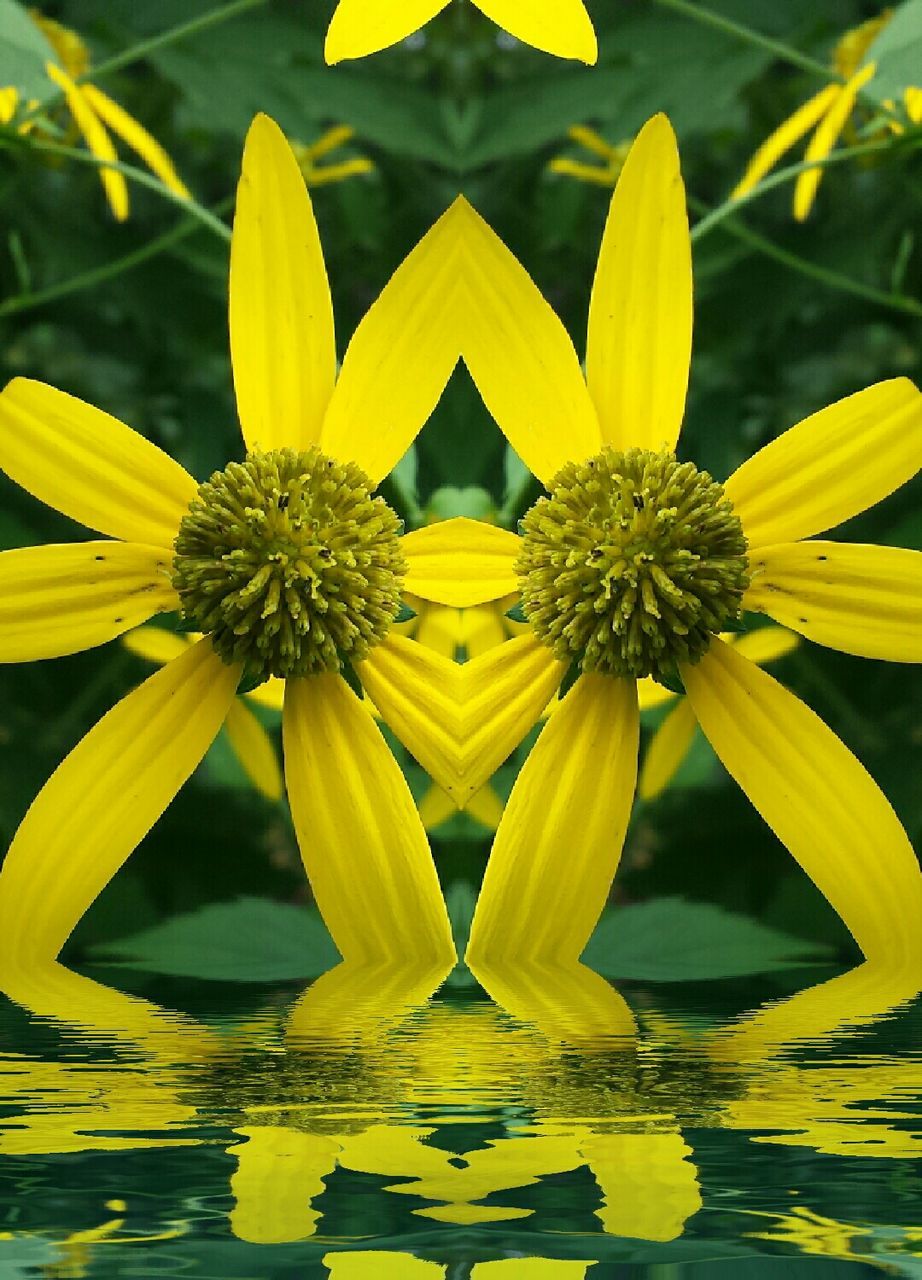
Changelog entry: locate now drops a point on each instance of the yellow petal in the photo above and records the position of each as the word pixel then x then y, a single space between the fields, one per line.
pixel 280 1172
pixel 784 137
pixel 503 694
pixel 61 599
pixel 648 1183
pixel 652 694
pixel 667 750
pixel 639 339
pixel 361 839
pixel 281 318
pixel 823 141
pixel 9 101
pixel 137 137
pixel 861 599
pixel 913 102
pixel 461 562
pixel 156 645
pixel 765 645
pixel 531 1269
pixel 439 628
pixel 98 141
pixel 360 27
pixel 91 466
pixel 400 357
pixel 270 694
pixel 559 843
pixel 816 797
pixel 565 1001
pixel 484 627
pixel 486 806
pixel 521 357
pixel 831 466
pixel 253 748
pixel 418 694
pixel 101 802
pixel 561 27
pixel 377 1265
pixel 436 807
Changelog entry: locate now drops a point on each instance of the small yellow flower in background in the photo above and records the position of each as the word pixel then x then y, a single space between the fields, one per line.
pixel 94 113
pixel 603 175
pixel 561 27
pixel 636 562
pixel 318 175
pixel 827 113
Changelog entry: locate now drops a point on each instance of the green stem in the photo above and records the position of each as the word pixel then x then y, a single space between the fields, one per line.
pixel 730 28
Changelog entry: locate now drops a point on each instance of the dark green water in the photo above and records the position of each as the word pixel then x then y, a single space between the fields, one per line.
pixel 368 1128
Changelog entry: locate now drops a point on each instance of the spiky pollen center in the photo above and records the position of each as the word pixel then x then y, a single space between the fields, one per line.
pixel 632 564
pixel 289 564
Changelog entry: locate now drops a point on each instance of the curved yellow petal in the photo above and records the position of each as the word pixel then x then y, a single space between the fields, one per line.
pixel 559 842
pixel 280 1172
pixel 816 797
pixel 503 694
pixel 461 562
pixel 639 340
pixel 823 141
pixel 566 1001
pixel 561 27
pixel 270 694
pixel 61 599
pixel 283 348
pixel 861 599
pixel 136 136
pixel 104 798
pixel 400 357
pixel 831 466
pixel 668 748
pixel 418 694
pixel 361 839
pixel 784 137
pixel 650 693
pixel 253 748
pixel 96 137
pixel 521 357
pixel 768 644
pixel 91 466
pixel 154 644
pixel 360 27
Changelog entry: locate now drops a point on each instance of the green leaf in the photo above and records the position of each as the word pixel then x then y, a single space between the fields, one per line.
pixel 249 940
pixel 898 53
pixel 23 53
pixel 674 940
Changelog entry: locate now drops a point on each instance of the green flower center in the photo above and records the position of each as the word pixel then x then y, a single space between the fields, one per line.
pixel 633 563
pixel 289 564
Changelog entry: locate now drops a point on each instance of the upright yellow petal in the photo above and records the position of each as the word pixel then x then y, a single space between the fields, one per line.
pixel 559 842
pixel 650 693
pixel 816 797
pixel 361 839
pixel 281 317
pixel 521 357
pixel 638 345
pixel 461 562
pixel 400 357
pixel 360 27
pixel 270 694
pixel 104 798
pixel 154 644
pixel 561 27
pixel 253 748
pixel 865 600
pixel 437 627
pixel 279 1174
pixel 831 466
pixel 97 139
pixel 61 599
pixel 784 137
pixel 137 137
pixel 825 138
pixel 9 101
pixel 91 466
pixel 648 1183
pixel 668 748
pixel 483 627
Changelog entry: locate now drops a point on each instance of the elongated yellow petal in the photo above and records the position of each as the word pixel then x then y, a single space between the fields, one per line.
pixel 400 357
pixel 283 347
pixel 280 1172
pixel 136 136
pixel 361 839
pixel 667 750
pixel 360 27
pixel 503 694
pixel 96 137
pixel 831 466
pixel 785 136
pixel 823 141
pixel 91 466
pixel 765 645
pixel 861 599
pixel 9 101
pixel 816 797
pixel 648 1183
pixel 418 693
pixel 566 1001
pixel 559 842
pixel 461 562
pixel 638 345
pixel 561 27
pixel 271 694
pixel 61 599
pixel 253 748
pixel 100 803
pixel 521 357
pixel 156 645
pixel 652 694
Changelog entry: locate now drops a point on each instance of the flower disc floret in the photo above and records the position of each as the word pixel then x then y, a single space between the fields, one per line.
pixel 632 564
pixel 289 563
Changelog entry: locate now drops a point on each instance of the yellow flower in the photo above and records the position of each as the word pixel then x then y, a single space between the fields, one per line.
pixel 238 557
pixel 561 27
pixel 612 157
pixel 318 175
pixel 636 563
pixel 827 113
